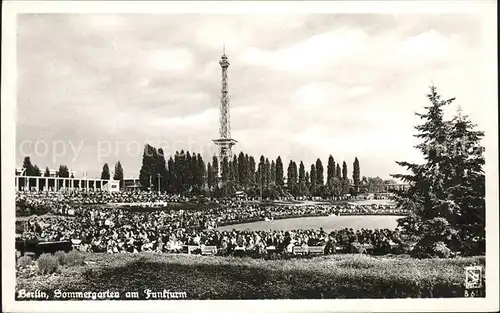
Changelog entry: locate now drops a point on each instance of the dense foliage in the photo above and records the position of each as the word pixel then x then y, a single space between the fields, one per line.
pixel 186 172
pixel 446 192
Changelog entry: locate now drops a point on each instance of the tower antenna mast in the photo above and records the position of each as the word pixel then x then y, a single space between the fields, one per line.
pixel 225 142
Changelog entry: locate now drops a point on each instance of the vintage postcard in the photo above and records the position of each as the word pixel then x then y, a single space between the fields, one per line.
pixel 198 156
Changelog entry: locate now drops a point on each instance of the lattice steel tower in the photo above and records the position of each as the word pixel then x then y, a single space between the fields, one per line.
pixel 225 142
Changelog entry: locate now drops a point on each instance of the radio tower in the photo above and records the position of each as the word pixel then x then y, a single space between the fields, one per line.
pixel 225 142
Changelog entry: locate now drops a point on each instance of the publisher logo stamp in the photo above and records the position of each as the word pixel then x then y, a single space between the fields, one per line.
pixel 473 277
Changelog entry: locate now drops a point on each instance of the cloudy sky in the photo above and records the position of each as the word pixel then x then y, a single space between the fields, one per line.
pixel 94 88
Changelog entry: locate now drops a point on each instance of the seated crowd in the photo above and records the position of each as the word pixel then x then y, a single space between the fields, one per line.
pixel 117 231
pixel 114 230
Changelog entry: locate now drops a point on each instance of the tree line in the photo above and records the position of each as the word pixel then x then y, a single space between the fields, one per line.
pixel 118 173
pixel 31 169
pixel 187 172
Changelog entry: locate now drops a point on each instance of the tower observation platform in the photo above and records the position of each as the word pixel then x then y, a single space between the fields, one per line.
pixel 224 142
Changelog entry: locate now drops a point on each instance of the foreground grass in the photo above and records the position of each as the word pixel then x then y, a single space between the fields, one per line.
pixel 339 276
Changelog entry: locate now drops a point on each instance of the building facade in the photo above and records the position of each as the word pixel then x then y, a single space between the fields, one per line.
pixel 40 183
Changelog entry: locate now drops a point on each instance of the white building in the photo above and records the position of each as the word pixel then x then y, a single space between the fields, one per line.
pixel 54 183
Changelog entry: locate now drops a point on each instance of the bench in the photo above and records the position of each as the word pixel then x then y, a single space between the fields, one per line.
pixel 299 250
pixel 189 249
pixel 271 249
pixel 316 250
pixel 208 250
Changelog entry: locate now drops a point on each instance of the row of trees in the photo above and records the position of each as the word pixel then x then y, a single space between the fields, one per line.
pixel 31 169
pixel 117 175
pixel 187 172
pixel 182 173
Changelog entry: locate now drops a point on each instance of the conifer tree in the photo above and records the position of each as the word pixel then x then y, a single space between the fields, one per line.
pixel 320 178
pixel 312 177
pixel 104 174
pixel 251 172
pixel 118 175
pixel 330 170
pixel 302 179
pixel 272 174
pixel 242 170
pixel 356 175
pixel 210 180
pixel 446 192
pixel 280 181
pixel 345 179
pixel 267 173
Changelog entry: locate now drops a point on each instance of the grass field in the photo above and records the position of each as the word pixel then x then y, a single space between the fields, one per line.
pixel 204 277
pixel 328 223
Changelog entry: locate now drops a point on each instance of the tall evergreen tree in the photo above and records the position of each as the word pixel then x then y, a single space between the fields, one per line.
pixel 261 170
pixel 225 171
pixel 27 166
pixel 104 174
pixel 47 172
pixel 145 173
pixel 338 172
pixel 215 172
pixel 201 173
pixel 171 180
pixel 194 173
pixel 242 170
pixel 267 173
pixel 236 171
pixel 345 179
pixel 312 177
pixel 64 171
pixel 320 178
pixel 36 171
pixel 210 179
pixel 302 179
pixel 446 192
pixel 251 171
pixel 161 170
pixel 118 175
pixel 330 170
pixel 188 171
pixel 272 174
pixel 280 179
pixel 289 176
pixel 230 176
pixel 292 177
pixel 356 175
pixel 30 169
pixel 467 184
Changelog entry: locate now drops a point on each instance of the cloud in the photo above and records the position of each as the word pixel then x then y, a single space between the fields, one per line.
pixel 312 54
pixel 301 86
pixel 170 60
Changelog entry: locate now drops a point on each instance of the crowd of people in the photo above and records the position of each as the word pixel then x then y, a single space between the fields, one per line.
pixel 116 231
pixel 97 228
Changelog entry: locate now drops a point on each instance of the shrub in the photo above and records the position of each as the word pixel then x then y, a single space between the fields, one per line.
pixel 61 257
pixel 441 250
pixel 24 261
pixel 74 258
pixel 47 264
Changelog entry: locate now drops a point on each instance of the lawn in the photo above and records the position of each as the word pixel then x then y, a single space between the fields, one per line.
pixel 328 223
pixel 206 277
